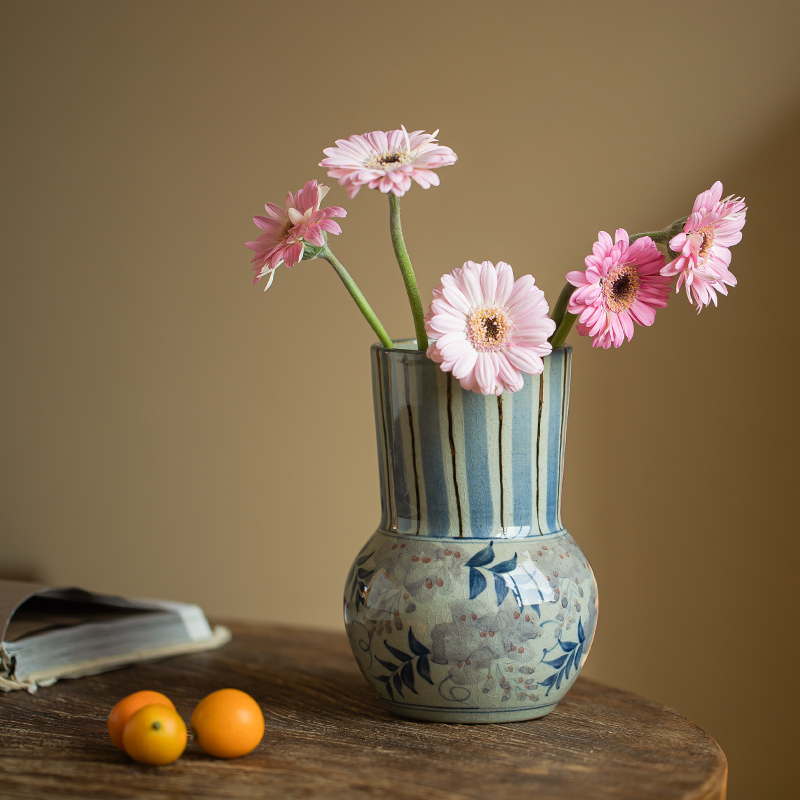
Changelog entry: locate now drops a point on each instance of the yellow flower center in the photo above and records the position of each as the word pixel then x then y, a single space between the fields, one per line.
pixel 388 161
pixel 707 243
pixel 620 288
pixel 488 328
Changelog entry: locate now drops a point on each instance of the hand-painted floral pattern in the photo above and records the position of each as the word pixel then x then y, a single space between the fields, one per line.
pixel 512 639
pixel 564 663
pixel 402 673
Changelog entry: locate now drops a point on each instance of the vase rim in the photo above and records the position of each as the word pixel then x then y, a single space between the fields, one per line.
pixel 503 536
pixel 411 350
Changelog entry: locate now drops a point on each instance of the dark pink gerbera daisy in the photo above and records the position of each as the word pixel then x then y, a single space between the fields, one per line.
pixel 286 230
pixel 714 226
pixel 622 284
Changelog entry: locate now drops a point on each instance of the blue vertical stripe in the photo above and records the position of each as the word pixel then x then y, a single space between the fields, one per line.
pixel 402 495
pixel 392 445
pixel 564 417
pixel 523 415
pixel 377 401
pixel 437 510
pixel 555 365
pixel 404 498
pixel 476 454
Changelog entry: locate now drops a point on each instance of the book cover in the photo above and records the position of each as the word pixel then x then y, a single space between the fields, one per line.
pixel 50 633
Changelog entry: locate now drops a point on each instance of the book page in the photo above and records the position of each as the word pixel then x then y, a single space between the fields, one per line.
pixel 42 613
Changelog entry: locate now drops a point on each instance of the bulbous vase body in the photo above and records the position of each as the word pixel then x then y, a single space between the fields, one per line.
pixel 471 602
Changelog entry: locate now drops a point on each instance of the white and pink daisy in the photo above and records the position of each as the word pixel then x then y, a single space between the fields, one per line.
pixel 704 259
pixel 286 230
pixel 488 328
pixel 387 160
pixel 622 284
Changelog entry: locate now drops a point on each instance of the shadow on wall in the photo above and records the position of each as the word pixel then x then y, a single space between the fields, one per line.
pixel 687 463
pixel 20 572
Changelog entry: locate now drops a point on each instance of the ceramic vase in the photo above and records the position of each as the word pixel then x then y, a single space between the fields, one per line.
pixel 471 602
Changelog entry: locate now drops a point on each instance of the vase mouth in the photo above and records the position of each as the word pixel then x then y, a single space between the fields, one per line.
pixel 409 347
pixel 400 346
pixel 522 534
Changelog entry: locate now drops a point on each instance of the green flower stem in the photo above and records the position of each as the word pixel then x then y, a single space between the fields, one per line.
pixel 560 308
pixel 662 237
pixel 562 318
pixel 562 331
pixel 407 270
pixel 355 293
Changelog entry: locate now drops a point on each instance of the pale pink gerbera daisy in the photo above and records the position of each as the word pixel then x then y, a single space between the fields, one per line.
pixel 488 328
pixel 713 226
pixel 286 230
pixel 622 284
pixel 387 160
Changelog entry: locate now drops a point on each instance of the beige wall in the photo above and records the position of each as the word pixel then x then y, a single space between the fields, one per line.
pixel 169 430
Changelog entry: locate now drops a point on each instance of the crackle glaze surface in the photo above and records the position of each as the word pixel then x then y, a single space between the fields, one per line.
pixel 471 602
pixel 462 630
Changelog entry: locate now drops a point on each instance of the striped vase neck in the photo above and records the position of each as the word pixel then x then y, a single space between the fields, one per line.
pixel 455 464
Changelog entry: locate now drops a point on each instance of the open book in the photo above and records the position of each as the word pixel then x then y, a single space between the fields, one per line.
pixel 50 633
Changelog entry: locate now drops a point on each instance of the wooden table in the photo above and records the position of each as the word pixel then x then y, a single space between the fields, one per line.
pixel 328 737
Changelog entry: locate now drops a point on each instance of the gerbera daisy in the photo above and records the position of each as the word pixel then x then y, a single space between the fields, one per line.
pixel 489 328
pixel 622 284
pixel 713 226
pixel 286 230
pixel 387 160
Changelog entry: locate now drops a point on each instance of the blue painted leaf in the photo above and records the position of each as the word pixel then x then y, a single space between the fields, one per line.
pixel 389 689
pixel 549 680
pixel 570 662
pixel 407 674
pixel 397 653
pixel 581 634
pixel 386 664
pixel 578 653
pixel 501 589
pixel 505 566
pixel 567 646
pixel 558 680
pixel 482 557
pixel 558 662
pixel 363 559
pixel 365 574
pixel 424 669
pixel 398 684
pixel 477 583
pixel 415 647
pixel 383 678
pixel 536 609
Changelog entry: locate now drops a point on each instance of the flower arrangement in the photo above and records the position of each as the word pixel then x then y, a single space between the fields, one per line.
pixel 483 326
pixel 471 576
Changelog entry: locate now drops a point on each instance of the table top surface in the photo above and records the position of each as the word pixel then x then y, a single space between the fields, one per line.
pixel 328 736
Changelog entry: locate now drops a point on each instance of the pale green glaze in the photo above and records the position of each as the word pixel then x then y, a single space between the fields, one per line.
pixel 471 602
